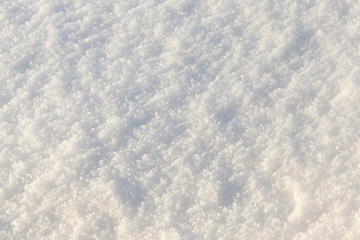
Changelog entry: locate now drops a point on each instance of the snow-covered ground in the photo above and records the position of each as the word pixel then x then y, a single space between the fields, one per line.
pixel 179 119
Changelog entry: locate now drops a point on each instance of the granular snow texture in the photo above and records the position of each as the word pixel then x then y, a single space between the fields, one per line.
pixel 179 119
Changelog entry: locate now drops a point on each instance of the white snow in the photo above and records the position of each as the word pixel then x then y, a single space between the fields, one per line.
pixel 179 119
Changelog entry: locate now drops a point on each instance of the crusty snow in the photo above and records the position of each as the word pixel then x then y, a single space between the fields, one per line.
pixel 179 119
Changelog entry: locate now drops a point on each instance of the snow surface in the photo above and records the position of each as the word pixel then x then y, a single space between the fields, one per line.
pixel 179 119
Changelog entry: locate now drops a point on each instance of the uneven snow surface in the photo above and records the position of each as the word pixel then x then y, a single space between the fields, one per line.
pixel 179 119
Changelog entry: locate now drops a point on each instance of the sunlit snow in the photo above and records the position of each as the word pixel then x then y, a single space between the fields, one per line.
pixel 179 119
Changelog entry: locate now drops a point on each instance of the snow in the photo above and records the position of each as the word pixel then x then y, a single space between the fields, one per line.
pixel 179 119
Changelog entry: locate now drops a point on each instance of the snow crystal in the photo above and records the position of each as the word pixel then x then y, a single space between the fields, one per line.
pixel 179 119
